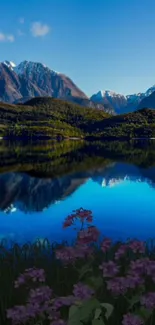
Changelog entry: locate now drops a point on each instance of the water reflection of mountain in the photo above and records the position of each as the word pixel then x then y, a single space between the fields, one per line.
pixel 27 193
pixel 34 176
pixel 121 172
pixel 33 194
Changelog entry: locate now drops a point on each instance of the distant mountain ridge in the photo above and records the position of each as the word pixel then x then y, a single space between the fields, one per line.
pixel 121 103
pixel 20 83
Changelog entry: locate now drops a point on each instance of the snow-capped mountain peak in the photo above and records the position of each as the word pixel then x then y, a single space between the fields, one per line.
pixel 108 93
pixel 10 64
pixel 29 67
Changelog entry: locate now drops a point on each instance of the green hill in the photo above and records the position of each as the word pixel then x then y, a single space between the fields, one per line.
pixel 48 117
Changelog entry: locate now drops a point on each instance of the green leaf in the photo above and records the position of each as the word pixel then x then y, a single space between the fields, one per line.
pixel 74 316
pixel 73 310
pixel 85 269
pixel 98 312
pixel 135 299
pixel 144 313
pixel 87 309
pixel 109 309
pixel 95 282
pixel 98 322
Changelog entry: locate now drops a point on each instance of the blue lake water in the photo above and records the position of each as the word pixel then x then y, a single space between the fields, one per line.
pixel 121 196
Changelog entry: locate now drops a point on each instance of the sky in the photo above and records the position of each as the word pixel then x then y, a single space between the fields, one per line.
pixel 99 44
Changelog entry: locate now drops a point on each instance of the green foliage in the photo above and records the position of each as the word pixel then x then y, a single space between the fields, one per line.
pixel 47 117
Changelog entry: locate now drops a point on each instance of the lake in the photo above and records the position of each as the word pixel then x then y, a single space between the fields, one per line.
pixel 41 183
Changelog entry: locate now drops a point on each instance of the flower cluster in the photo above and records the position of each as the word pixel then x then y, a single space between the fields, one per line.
pixel 149 300
pixel 106 244
pixel 130 319
pixel 88 236
pixel 82 291
pixel 109 269
pixel 30 274
pixel 70 254
pixel 121 252
pixel 79 214
pixel 137 246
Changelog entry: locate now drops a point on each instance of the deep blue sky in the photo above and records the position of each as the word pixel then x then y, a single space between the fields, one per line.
pixel 100 44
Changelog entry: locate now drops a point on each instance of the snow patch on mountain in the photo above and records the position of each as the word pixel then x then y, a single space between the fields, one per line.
pixel 10 64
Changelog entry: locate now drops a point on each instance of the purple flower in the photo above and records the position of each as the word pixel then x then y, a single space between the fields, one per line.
pixel 139 266
pixel 30 274
pixel 66 254
pixel 149 300
pixel 40 295
pixel 120 252
pixel 105 245
pixel 71 254
pixel 137 246
pixel 109 269
pixel 150 269
pixel 63 301
pixel 18 314
pixel 118 285
pixel 82 291
pixel 33 310
pixel 130 319
pixel 134 280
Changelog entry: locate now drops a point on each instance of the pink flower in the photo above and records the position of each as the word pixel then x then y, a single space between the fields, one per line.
pixel 105 245
pixel 81 214
pixel 69 221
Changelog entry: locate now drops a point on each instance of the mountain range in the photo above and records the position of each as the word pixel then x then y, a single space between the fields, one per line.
pixel 125 104
pixel 29 79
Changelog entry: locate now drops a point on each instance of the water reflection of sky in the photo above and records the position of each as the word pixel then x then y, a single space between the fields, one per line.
pixel 124 210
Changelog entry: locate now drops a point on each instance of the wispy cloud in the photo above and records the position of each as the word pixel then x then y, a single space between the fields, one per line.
pixel 21 20
pixel 20 33
pixel 7 38
pixel 39 30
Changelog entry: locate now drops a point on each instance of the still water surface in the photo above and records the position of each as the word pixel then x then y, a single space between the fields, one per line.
pixel 40 184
